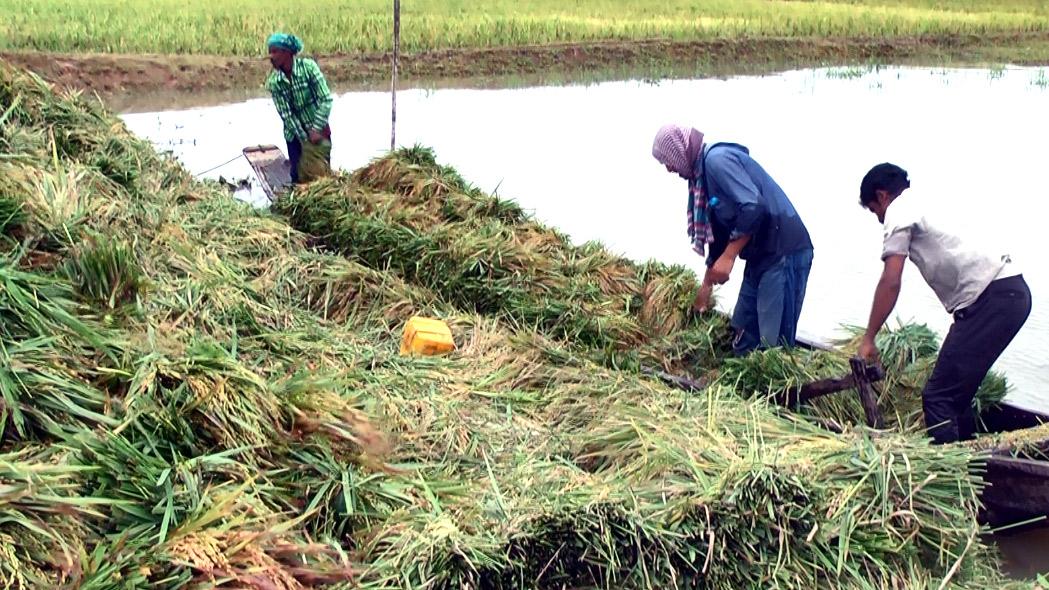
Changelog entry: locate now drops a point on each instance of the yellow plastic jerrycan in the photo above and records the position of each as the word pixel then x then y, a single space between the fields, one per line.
pixel 426 336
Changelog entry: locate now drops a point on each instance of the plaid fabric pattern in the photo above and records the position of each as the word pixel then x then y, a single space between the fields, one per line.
pixel 303 102
pixel 699 231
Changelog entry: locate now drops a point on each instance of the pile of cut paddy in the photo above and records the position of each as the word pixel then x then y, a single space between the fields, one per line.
pixel 195 398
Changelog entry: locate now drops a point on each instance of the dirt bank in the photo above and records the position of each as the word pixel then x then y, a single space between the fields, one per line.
pixel 112 74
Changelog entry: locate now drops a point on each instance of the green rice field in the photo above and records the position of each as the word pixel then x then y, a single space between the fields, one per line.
pixel 238 27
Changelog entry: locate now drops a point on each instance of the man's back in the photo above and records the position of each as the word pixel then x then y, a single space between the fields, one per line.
pixel 738 182
pixel 953 257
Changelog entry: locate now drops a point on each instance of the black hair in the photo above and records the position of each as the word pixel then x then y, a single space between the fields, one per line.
pixel 883 177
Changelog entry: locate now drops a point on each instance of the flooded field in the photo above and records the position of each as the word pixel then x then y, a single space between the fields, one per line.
pixel 578 156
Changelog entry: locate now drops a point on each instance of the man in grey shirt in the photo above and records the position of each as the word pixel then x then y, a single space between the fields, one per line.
pixel 981 287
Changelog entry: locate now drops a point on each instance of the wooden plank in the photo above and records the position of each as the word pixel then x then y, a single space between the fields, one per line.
pixel 1026 467
pixel 817 389
pixel 797 396
pixel 802 342
pixel 271 167
pixel 1017 491
pixel 1004 417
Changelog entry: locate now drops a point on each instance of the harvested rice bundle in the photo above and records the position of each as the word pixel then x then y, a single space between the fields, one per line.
pixel 43 518
pixel 340 290
pixel 581 295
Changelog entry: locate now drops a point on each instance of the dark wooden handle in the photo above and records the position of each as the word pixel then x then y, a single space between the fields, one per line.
pixel 867 395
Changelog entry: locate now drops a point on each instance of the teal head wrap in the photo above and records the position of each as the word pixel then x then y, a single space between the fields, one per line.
pixel 289 43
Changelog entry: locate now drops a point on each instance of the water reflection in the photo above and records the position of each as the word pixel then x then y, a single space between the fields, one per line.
pixel 578 156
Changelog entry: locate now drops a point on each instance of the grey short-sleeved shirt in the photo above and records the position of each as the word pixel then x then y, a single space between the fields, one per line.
pixel 956 268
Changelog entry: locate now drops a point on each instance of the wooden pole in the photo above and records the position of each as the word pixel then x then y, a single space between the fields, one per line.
pixel 396 57
pixel 816 389
pixel 867 397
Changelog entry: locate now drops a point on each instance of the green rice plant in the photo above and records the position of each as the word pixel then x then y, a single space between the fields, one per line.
pixel 125 560
pixel 577 544
pixel 757 480
pixel 416 175
pixel 43 517
pixel 36 305
pixel 1041 80
pixel 428 548
pixel 12 215
pixel 205 511
pixel 698 347
pixel 780 373
pixel 898 348
pixel 55 202
pixel 848 73
pixel 156 491
pixel 341 290
pixel 41 392
pixel 993 389
pixel 328 405
pixel 340 498
pixel 53 358
pixel 105 272
pixel 666 298
pixel 119 162
pixel 907 344
pixel 1027 443
pixel 776 371
pixel 203 398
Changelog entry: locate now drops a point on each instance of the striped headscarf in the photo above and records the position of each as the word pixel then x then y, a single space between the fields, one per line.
pixel 678 148
pixel 289 43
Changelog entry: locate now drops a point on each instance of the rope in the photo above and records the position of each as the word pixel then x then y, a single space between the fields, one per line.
pixel 230 161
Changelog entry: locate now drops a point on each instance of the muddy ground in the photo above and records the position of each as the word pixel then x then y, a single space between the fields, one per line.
pixel 110 74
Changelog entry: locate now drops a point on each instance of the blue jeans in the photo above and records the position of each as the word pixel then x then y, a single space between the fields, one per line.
pixel 769 303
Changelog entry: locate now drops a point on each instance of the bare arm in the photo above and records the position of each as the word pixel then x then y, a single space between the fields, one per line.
pixel 885 296
pixel 719 272
pixel 741 196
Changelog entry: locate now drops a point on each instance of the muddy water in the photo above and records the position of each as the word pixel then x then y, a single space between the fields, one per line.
pixel 1024 554
pixel 578 156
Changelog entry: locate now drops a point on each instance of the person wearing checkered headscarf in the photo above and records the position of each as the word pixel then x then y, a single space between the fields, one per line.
pixel 737 210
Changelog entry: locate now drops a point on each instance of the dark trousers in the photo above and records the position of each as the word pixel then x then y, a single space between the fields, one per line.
pixel 977 338
pixel 294 155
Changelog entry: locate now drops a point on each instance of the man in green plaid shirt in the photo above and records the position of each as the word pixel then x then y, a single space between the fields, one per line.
pixel 303 101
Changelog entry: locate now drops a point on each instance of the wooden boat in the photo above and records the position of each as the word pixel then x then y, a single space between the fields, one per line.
pixel 1017 468
pixel 1016 471
pixel 272 168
